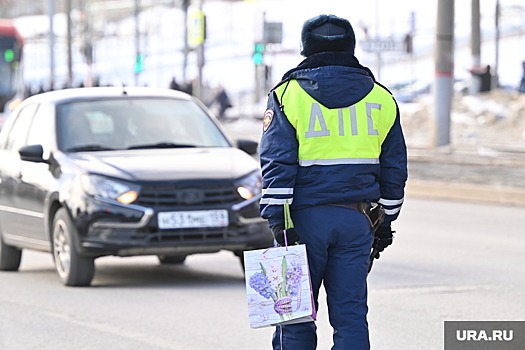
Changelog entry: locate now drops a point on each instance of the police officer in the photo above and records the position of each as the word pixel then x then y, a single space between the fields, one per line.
pixel 332 144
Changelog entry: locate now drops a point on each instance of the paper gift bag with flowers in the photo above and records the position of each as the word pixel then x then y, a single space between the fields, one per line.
pixel 278 285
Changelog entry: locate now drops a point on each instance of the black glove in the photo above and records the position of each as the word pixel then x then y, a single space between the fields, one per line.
pixel 292 237
pixel 383 237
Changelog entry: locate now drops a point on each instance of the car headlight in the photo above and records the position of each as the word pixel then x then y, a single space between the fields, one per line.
pixel 249 186
pixel 96 185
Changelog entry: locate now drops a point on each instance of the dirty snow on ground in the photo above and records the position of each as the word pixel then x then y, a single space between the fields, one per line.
pixel 492 119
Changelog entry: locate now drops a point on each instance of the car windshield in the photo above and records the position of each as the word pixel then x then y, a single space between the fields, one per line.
pixel 135 123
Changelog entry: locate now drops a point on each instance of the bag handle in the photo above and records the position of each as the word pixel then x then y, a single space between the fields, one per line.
pixel 288 223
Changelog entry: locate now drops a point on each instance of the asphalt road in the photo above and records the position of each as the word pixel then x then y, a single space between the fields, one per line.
pixel 450 261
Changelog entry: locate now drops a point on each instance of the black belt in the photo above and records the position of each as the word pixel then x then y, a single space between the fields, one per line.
pixel 362 207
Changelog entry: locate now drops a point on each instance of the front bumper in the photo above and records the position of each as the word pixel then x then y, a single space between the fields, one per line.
pixel 109 228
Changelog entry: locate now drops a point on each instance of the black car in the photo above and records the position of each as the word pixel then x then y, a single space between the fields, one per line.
pixel 92 172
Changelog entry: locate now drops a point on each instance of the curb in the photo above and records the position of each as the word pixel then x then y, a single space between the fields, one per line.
pixel 466 192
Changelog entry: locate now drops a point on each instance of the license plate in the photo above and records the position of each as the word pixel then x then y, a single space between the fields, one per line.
pixel 193 219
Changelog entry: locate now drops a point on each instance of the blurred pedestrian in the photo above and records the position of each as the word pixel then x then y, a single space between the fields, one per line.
pixel 483 75
pixel 522 83
pixel 187 87
pixel 173 84
pixel 223 100
pixel 332 146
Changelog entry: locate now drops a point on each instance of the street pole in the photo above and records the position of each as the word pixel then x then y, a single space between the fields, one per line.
pixel 69 46
pixel 444 71
pixel 257 67
pixel 51 44
pixel 495 79
pixel 200 57
pixel 475 46
pixel 137 38
pixel 196 24
pixel 88 42
pixel 475 35
pixel 185 5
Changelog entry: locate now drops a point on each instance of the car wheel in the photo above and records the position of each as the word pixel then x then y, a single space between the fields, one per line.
pixel 73 269
pixel 10 257
pixel 171 259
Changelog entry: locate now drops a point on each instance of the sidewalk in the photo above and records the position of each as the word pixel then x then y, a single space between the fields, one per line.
pixel 483 175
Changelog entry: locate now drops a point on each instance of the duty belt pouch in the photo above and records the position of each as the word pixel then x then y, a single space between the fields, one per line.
pixel 374 212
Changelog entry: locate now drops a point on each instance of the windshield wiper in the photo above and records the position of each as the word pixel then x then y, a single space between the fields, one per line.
pixel 161 145
pixel 86 148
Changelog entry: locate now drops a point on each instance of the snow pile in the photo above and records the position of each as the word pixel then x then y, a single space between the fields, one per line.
pixel 492 119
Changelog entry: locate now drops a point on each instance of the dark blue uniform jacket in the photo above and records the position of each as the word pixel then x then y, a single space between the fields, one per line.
pixel 335 80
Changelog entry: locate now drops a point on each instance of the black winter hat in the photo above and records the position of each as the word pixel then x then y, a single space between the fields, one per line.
pixel 327 33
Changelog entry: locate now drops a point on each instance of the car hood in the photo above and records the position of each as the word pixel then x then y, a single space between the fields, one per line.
pixel 168 164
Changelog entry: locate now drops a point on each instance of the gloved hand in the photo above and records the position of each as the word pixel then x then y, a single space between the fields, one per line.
pixel 383 237
pixel 292 237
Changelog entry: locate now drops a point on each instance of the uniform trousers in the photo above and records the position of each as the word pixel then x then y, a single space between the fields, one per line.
pixel 338 243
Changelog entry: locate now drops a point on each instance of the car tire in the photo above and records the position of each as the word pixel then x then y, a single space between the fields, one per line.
pixel 171 259
pixel 73 269
pixel 10 257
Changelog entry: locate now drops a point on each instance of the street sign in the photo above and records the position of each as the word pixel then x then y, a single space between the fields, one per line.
pixel 273 32
pixel 196 27
pixel 382 45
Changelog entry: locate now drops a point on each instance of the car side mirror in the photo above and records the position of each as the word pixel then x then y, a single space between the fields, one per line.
pixel 248 146
pixel 32 153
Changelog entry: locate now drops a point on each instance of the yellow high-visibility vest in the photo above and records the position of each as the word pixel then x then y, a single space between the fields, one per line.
pixel 348 135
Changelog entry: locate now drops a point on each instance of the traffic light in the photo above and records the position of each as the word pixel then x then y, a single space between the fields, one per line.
pixel 258 53
pixel 9 55
pixel 139 63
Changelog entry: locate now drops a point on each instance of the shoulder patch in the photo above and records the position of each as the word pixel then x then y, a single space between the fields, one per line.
pixel 267 119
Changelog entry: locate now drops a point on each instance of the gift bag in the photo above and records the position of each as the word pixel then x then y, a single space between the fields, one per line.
pixel 278 284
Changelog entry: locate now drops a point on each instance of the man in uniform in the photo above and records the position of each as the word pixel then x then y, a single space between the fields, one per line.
pixel 332 147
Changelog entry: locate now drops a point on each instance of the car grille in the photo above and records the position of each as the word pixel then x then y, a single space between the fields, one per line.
pixel 193 195
pixel 196 235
